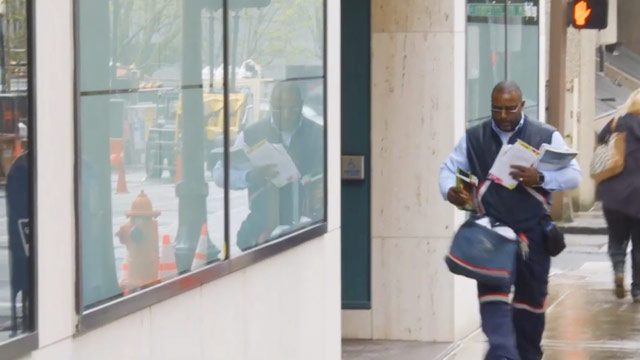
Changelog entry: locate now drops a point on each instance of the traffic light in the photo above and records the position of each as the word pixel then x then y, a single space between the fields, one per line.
pixel 589 14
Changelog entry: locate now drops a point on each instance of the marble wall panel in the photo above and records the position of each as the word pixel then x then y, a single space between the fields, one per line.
pixel 417 15
pixel 417 117
pixel 412 295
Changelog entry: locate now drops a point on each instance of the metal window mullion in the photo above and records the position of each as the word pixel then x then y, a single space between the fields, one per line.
pixel 225 122
pixel 32 156
pixel 325 14
pixel 77 171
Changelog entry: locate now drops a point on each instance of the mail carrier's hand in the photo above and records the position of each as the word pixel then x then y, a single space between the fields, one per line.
pixel 457 196
pixel 525 175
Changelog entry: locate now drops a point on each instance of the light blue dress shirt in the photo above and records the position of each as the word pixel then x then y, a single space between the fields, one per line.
pixel 558 180
pixel 238 172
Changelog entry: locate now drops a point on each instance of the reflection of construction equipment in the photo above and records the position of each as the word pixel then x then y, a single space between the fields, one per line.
pixel 160 137
pixel 214 120
pixel 164 136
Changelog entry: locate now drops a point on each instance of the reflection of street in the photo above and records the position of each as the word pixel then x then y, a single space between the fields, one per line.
pixel 5 286
pixel 161 192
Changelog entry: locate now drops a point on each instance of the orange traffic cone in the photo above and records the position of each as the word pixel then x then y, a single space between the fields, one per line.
pixel 17 149
pixel 167 267
pixel 178 176
pixel 200 258
pixel 121 188
pixel 124 278
pixel 116 156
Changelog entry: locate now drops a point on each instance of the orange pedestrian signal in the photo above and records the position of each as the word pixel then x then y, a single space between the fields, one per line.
pixel 581 12
pixel 590 14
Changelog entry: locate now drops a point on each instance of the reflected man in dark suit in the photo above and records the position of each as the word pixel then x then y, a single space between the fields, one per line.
pixel 273 209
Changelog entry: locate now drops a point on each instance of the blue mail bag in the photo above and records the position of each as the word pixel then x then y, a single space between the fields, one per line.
pixel 485 251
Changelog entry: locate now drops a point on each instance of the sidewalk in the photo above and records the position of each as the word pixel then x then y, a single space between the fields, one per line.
pixel 388 350
pixel 587 223
pixel 584 319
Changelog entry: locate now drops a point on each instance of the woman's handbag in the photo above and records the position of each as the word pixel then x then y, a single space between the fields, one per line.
pixel 485 251
pixel 608 158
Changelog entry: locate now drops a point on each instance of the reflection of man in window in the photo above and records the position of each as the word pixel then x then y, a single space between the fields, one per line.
pixel 271 208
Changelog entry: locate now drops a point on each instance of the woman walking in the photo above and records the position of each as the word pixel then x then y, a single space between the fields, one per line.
pixel 620 197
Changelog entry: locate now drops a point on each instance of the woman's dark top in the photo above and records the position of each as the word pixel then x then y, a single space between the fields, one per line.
pixel 622 192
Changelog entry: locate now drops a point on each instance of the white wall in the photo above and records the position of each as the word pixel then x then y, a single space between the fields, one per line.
pixel 286 307
pixel 266 311
pixel 418 114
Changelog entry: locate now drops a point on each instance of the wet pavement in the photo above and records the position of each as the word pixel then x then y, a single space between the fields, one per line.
pixel 388 350
pixel 584 319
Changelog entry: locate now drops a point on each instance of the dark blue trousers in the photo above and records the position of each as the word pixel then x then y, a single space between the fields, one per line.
pixel 514 329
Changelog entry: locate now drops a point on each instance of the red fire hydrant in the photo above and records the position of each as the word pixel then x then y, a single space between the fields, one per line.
pixel 140 236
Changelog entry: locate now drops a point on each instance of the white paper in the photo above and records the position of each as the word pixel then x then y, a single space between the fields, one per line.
pixel 520 154
pixel 500 229
pixel 506 232
pixel 553 158
pixel 266 153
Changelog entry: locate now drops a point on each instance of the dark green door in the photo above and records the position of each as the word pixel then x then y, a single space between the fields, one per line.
pixel 356 140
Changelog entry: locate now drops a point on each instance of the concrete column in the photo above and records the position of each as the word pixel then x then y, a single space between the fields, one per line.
pixel 418 115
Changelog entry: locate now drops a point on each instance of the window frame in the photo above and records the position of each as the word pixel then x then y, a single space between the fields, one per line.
pixel 24 344
pixel 105 313
pixel 541 103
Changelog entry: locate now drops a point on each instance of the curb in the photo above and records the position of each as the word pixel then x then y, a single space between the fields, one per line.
pixel 583 230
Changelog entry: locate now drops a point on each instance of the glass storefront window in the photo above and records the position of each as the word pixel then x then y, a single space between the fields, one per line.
pixel 154 98
pixel 277 162
pixel 502 44
pixel 145 127
pixel 16 127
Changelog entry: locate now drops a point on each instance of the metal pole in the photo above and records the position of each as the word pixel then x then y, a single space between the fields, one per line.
pixel 114 36
pixel 557 81
pixel 506 40
pixel 3 55
pixel 192 191
pixel 7 44
pixel 211 48
pixel 234 50
pixel 558 59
